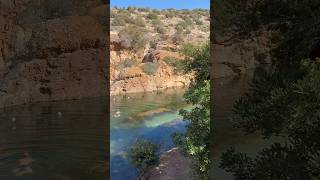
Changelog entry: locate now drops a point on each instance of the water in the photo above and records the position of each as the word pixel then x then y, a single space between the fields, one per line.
pixel 59 140
pixel 152 116
pixel 226 92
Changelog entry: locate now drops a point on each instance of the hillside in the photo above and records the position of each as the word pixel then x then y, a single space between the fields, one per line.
pixel 145 47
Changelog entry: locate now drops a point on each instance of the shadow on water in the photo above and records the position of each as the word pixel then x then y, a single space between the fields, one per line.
pixel 226 92
pixel 59 140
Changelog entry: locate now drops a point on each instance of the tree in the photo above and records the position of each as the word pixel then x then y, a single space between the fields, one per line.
pixel 143 154
pixel 195 141
pixel 284 102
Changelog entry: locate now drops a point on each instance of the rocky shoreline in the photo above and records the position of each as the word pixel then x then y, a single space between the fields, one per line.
pixel 173 165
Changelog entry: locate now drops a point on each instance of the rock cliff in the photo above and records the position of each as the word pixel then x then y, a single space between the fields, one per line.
pixel 52 50
pixel 145 47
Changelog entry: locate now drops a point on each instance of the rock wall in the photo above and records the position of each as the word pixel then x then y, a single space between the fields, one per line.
pixel 47 57
pixel 134 79
pixel 236 57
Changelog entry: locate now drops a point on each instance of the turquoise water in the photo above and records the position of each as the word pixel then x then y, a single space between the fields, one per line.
pixel 152 116
pixel 54 141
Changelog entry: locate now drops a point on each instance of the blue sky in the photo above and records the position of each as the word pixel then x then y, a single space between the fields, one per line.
pixel 163 4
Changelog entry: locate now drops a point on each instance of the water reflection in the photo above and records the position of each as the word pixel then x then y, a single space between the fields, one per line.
pixel 226 92
pixel 60 140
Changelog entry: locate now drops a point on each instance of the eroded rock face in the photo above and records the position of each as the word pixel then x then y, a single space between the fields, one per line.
pixel 56 59
pixel 237 57
pixel 134 79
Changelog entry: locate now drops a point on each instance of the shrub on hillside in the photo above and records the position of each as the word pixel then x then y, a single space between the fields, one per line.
pixel 143 154
pixel 150 68
pixel 198 22
pixel 177 38
pixel 133 37
pixel 161 29
pixel 177 64
pixel 152 15
pixel 127 63
pixel 139 21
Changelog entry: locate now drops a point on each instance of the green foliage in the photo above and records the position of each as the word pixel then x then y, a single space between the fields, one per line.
pixel 139 21
pixel 294 24
pixel 127 63
pixel 276 162
pixel 176 63
pixel 133 37
pixel 198 22
pixel 161 29
pixel 121 18
pixel 143 154
pixel 288 105
pixel 150 68
pixel 169 14
pixel 152 15
pixel 195 141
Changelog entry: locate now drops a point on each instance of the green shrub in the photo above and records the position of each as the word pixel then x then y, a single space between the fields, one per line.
pixel 150 68
pixel 179 29
pixel 177 38
pixel 188 31
pixel 143 154
pixel 169 14
pixel 127 63
pixel 133 37
pixel 198 22
pixel 161 29
pixel 152 15
pixel 139 21
pixel 177 64
pixel 118 21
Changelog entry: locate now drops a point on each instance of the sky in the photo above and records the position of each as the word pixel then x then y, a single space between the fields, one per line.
pixel 163 4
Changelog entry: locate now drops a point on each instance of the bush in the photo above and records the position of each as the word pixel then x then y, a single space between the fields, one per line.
pixel 198 22
pixel 177 38
pixel 139 21
pixel 118 21
pixel 150 68
pixel 152 15
pixel 169 14
pixel 121 19
pixel 143 154
pixel 188 31
pixel 161 29
pixel 127 63
pixel 133 37
pixel 174 62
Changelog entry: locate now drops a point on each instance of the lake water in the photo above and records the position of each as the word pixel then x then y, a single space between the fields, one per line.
pixel 226 92
pixel 152 116
pixel 59 141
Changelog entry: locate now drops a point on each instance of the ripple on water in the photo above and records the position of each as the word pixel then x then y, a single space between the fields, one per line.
pixel 70 145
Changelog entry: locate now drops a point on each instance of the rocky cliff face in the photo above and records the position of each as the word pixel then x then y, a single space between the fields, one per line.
pixel 48 55
pixel 236 57
pixel 160 34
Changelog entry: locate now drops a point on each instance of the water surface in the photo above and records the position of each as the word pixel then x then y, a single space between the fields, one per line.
pixel 226 92
pixel 153 116
pixel 58 140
